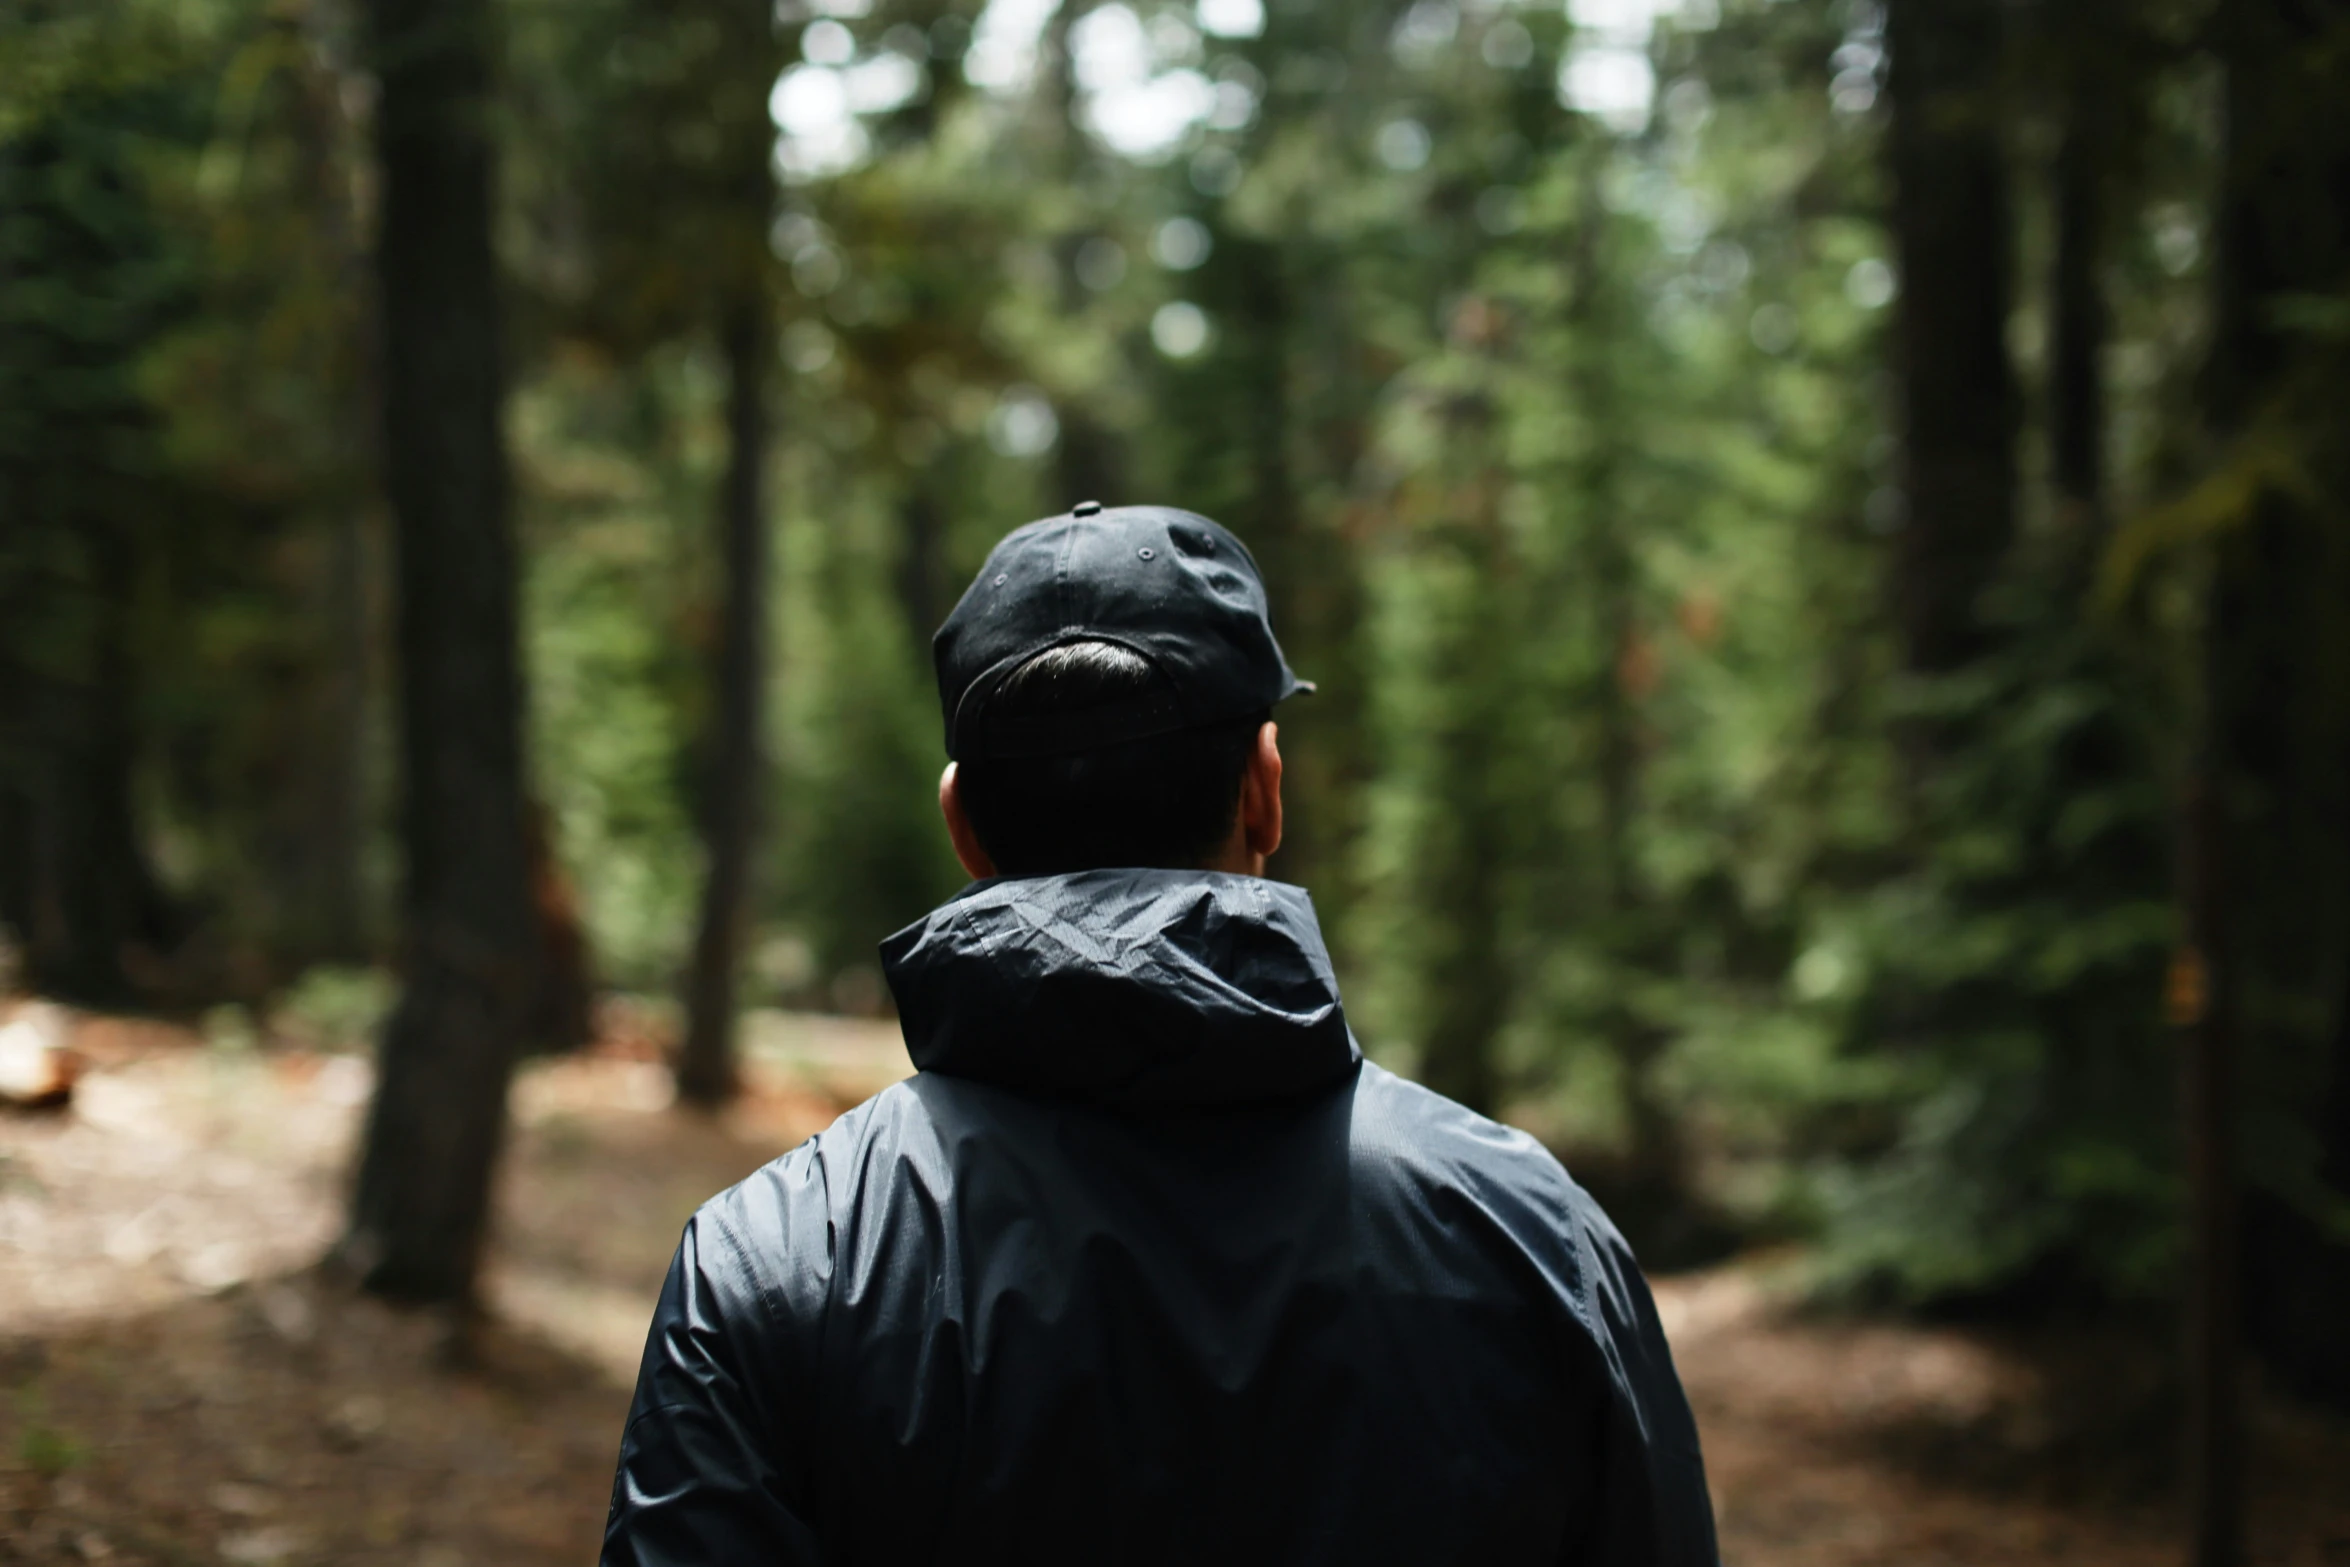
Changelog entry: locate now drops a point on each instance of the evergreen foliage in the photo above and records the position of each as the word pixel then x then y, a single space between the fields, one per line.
pixel 1782 830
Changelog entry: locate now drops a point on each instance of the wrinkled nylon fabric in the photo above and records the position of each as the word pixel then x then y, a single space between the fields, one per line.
pixel 1147 1264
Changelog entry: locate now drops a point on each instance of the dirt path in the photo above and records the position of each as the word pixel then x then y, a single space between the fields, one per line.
pixel 175 1387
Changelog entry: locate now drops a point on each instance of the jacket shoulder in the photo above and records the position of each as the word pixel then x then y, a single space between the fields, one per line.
pixel 1444 1160
pixel 1416 1130
pixel 777 1230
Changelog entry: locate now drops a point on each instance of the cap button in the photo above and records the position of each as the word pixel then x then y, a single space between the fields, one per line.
pixel 1086 509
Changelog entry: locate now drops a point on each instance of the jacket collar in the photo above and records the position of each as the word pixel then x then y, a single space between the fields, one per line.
pixel 1132 988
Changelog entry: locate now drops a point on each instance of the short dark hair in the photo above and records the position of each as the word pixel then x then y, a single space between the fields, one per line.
pixel 1165 800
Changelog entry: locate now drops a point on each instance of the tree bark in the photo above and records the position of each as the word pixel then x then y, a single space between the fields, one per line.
pixel 2279 661
pixel 2078 317
pixel 1469 986
pixel 2277 729
pixel 1088 462
pixel 563 990
pixel 76 886
pixel 1305 573
pixel 2214 1434
pixel 74 877
pixel 1952 236
pixel 921 571
pixel 1653 1155
pixel 706 1071
pixel 1470 992
pixel 420 1209
pixel 334 891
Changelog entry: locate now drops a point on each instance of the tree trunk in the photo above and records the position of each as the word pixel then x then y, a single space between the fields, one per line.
pixel 2278 724
pixel 2279 663
pixel 76 887
pixel 2076 384
pixel 563 990
pixel 1653 1157
pixel 2214 1435
pixel 1305 573
pixel 420 1209
pixel 1470 988
pixel 333 901
pixel 1088 463
pixel 1652 1144
pixel 351 614
pixel 1469 983
pixel 921 574
pixel 337 892
pixel 706 1072
pixel 74 876
pixel 1951 232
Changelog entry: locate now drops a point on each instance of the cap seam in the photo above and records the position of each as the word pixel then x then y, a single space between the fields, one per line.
pixel 1061 573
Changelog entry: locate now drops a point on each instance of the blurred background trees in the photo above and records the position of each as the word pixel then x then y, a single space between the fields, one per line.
pixel 469 943
pixel 1785 500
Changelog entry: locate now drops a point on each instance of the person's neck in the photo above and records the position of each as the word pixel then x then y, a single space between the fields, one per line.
pixel 1235 856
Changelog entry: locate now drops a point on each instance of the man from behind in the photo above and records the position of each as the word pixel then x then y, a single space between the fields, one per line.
pixel 1146 1263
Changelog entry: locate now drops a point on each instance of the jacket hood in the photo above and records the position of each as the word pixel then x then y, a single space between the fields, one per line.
pixel 1132 988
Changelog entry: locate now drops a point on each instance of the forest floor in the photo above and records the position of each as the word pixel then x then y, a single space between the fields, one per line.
pixel 179 1385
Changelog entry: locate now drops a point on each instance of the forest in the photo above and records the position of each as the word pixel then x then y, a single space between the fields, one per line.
pixel 1822 528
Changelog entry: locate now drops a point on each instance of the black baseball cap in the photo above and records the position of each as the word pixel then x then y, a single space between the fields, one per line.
pixel 1169 585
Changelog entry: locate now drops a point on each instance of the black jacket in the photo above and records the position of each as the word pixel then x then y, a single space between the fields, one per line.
pixel 1147 1264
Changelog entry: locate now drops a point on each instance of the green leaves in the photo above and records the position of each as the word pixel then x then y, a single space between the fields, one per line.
pixel 2272 455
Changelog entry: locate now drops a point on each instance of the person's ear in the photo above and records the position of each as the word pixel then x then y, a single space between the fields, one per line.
pixel 1260 796
pixel 968 849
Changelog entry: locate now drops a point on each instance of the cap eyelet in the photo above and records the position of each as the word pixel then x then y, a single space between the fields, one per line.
pixel 1147 553
pixel 1002 578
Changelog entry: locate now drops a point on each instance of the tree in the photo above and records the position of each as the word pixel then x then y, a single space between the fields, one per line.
pixel 338 804
pixel 1620 678
pixel 2079 319
pixel 1087 461
pixel 735 750
pixel 1952 234
pixel 1452 705
pixel 2266 917
pixel 420 1208
pixel 1246 411
pixel 737 776
pixel 654 194
pixel 87 278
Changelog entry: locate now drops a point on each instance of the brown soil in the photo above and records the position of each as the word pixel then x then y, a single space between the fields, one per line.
pixel 179 1385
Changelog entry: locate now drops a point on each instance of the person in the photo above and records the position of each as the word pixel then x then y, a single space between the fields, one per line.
pixel 1146 1263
